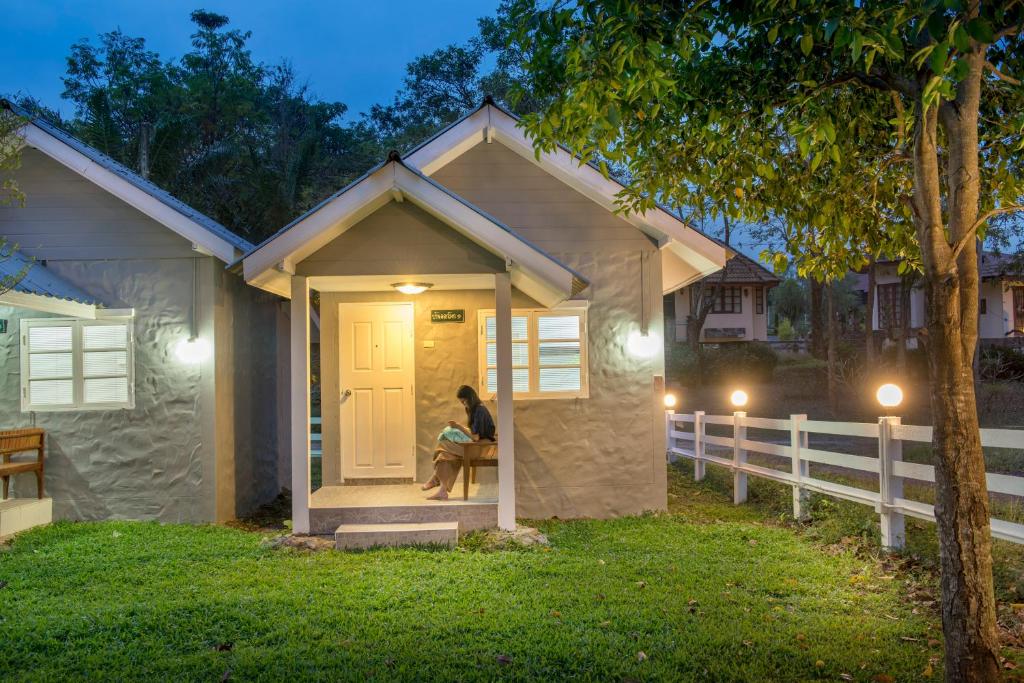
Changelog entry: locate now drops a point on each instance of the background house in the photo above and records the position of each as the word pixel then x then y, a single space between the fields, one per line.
pixel 740 302
pixel 139 423
pixel 1000 302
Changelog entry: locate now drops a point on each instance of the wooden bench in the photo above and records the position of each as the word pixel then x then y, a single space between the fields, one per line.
pixel 476 454
pixel 21 441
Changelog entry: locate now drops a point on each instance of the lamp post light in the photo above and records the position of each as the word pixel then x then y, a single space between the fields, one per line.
pixel 889 395
pixel 670 401
pixel 739 398
pixel 890 452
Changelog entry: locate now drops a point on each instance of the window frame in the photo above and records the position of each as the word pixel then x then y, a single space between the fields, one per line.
pixel 533 353
pixel 889 306
pixel 77 325
pixel 735 298
pixel 759 300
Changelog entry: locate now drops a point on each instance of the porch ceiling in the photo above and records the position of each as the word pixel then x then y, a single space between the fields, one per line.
pixel 382 283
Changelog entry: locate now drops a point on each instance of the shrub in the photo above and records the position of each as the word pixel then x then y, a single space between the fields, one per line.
pixel 1002 363
pixel 745 361
pixel 785 330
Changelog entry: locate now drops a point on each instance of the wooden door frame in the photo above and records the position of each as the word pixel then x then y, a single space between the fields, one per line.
pixel 341 385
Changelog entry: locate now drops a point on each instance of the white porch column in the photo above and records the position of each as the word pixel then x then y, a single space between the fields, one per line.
pixel 300 404
pixel 506 425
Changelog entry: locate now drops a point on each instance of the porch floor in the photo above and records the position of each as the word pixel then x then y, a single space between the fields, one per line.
pixel 387 495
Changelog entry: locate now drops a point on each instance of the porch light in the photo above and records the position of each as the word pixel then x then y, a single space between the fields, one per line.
pixel 739 398
pixel 670 401
pixel 412 287
pixel 642 344
pixel 889 395
pixel 192 350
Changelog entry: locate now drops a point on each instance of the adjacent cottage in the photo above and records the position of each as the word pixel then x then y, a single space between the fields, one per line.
pixel 153 370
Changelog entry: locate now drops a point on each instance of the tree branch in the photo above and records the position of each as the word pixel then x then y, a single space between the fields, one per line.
pixel 970 235
pixel 1003 77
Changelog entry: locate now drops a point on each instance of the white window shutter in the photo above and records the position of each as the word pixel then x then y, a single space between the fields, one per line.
pixel 77 364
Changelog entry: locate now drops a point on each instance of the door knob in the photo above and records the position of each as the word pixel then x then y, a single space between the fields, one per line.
pixel 348 392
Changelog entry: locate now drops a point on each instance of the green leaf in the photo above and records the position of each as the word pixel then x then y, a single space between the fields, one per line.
pixel 858 45
pixel 816 161
pixel 830 28
pixel 828 129
pixel 937 59
pixel 807 44
pixel 773 33
pixel 981 30
pixel 961 39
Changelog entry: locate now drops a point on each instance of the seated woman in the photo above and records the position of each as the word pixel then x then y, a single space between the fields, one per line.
pixel 449 453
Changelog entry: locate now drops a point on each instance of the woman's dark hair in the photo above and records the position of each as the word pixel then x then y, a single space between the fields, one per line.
pixel 468 394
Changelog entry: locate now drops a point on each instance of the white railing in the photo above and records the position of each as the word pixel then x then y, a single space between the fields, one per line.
pixel 316 439
pixel 890 469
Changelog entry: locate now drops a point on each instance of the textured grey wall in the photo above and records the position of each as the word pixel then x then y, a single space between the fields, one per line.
pixel 144 463
pixel 249 386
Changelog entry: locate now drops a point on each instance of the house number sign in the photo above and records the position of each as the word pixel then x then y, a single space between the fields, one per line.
pixel 452 315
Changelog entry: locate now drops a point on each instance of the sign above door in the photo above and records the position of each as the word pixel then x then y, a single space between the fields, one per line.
pixel 451 315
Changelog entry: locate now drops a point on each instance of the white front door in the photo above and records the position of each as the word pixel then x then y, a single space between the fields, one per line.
pixel 378 420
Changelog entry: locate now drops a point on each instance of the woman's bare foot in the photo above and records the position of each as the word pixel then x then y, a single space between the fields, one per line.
pixel 442 494
pixel 432 484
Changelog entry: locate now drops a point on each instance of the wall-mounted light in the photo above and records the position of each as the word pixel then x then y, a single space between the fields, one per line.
pixel 192 350
pixel 412 287
pixel 642 345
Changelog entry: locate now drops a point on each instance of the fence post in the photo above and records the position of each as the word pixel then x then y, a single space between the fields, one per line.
pixel 669 441
pixel 739 457
pixel 890 486
pixel 797 442
pixel 698 445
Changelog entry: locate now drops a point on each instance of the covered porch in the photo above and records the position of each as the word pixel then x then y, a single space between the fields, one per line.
pixel 387 382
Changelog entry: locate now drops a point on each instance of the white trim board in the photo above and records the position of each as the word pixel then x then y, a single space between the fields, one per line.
pixel 61 152
pixel 533 272
pixel 48 304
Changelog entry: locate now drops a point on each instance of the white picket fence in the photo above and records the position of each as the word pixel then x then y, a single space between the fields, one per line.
pixel 889 467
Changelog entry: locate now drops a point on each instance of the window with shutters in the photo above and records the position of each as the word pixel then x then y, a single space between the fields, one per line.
pixel 77 364
pixel 549 353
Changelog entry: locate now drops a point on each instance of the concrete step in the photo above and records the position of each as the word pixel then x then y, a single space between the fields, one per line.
pixel 20 514
pixel 350 536
pixel 469 516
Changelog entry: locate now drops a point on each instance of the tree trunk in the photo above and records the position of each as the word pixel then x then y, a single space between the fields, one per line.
pixel 902 327
pixel 145 142
pixel 869 315
pixel 832 352
pixel 817 320
pixel 951 290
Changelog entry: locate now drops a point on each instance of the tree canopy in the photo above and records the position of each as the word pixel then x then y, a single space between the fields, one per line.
pixel 865 128
pixel 771 108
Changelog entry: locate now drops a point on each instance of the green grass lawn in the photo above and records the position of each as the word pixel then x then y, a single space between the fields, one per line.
pixel 710 592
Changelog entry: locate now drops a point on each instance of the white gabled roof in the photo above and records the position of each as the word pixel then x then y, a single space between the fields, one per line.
pixel 205 233
pixel 694 255
pixel 534 272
